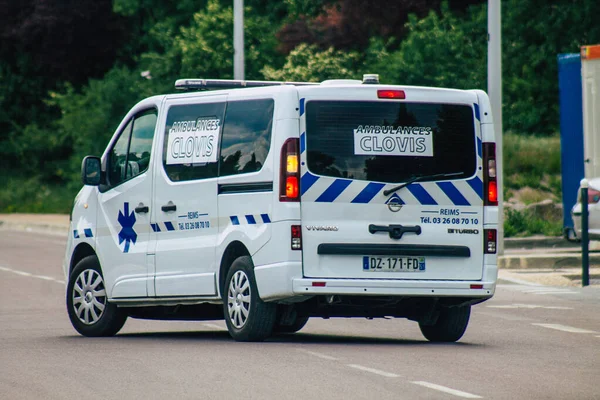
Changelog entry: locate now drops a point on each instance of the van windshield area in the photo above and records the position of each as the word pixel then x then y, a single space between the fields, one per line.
pixel 390 141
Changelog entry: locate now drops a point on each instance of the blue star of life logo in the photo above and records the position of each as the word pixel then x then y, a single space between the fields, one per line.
pixel 127 234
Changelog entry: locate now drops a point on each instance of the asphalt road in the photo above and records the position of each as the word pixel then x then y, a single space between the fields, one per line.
pixel 528 342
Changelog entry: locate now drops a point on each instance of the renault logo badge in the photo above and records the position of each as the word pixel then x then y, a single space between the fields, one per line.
pixel 394 203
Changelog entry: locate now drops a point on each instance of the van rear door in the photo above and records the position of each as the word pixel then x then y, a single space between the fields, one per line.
pixel 359 147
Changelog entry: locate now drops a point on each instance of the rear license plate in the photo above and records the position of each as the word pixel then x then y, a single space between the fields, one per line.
pixel 394 264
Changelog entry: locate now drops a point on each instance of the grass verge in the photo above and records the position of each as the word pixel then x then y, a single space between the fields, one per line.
pixel 30 195
pixel 525 223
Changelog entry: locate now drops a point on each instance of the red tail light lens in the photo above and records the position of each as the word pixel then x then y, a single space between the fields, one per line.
pixel 291 187
pixel 493 192
pixel 489 175
pixel 489 244
pixel 391 94
pixel 289 171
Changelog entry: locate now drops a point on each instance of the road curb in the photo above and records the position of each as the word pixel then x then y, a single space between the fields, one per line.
pixel 27 226
pixel 533 242
pixel 545 260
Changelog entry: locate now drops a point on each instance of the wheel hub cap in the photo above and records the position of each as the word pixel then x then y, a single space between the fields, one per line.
pixel 238 299
pixel 89 296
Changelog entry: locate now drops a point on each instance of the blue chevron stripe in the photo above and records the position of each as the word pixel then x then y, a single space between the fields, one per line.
pixel 302 142
pixel 367 194
pixel 333 191
pixel 476 106
pixel 169 226
pixel 479 148
pixel 453 193
pixel 250 219
pixel 302 106
pixel 307 181
pixel 421 194
pixel 477 186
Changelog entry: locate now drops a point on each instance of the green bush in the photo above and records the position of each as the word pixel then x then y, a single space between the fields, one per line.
pixel 531 154
pixel 532 161
pixel 525 223
pixel 34 195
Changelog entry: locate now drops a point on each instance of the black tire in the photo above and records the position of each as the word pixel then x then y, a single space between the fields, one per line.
pixel 89 310
pixel 248 318
pixel 450 326
pixel 298 324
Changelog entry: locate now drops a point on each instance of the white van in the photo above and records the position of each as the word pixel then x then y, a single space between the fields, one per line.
pixel 267 203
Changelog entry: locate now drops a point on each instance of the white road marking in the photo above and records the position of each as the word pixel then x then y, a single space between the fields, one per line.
pixel 564 328
pixel 531 306
pixel 214 326
pixel 537 294
pixel 448 390
pixel 28 274
pixel 517 281
pixel 549 290
pixel 534 288
pixel 313 353
pixel 374 371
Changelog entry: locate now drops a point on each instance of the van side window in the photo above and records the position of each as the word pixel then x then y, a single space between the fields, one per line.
pixel 246 136
pixel 130 156
pixel 192 134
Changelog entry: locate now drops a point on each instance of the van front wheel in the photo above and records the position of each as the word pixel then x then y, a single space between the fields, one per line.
pixel 90 312
pixel 248 318
pixel 449 327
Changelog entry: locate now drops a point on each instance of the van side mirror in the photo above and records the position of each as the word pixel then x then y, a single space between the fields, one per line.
pixel 91 171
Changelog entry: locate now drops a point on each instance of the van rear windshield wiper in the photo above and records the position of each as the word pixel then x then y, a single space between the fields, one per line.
pixel 418 179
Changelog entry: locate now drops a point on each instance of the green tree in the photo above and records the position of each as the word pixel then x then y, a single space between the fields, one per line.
pixel 307 63
pixel 449 50
pixel 205 47
pixel 90 116
pixel 444 50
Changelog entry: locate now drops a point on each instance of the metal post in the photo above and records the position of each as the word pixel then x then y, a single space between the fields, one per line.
pixel 585 240
pixel 495 92
pixel 238 39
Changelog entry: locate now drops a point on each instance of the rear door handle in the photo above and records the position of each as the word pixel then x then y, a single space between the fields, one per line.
pixel 169 207
pixel 142 209
pixel 395 231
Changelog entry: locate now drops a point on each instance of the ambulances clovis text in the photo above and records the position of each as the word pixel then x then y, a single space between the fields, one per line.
pixel 393 141
pixel 192 142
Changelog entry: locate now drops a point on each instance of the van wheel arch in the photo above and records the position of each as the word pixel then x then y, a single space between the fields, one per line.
pixel 234 250
pixel 82 251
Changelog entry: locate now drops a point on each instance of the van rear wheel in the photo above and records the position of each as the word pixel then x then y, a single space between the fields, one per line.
pixel 248 318
pixel 449 327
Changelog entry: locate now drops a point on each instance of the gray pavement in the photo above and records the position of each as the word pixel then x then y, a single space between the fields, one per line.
pixel 535 260
pixel 525 343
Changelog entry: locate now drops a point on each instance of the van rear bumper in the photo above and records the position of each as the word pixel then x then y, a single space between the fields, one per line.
pixel 393 287
pixel 283 280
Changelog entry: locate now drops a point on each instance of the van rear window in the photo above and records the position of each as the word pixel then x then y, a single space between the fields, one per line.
pixel 389 141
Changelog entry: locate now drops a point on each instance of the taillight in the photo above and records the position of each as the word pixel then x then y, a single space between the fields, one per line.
pixel 391 94
pixel 296 237
pixel 289 171
pixel 489 244
pixel 593 196
pixel 490 184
